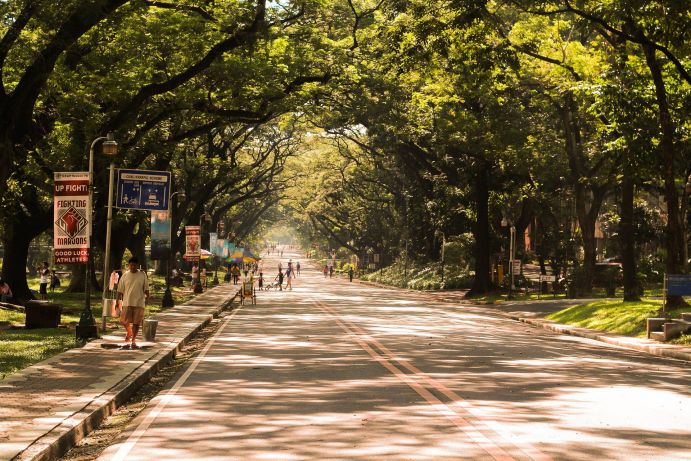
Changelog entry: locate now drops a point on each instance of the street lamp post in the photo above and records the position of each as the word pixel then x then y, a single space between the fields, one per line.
pixel 443 244
pixel 218 224
pixel 512 249
pixel 87 325
pixel 198 287
pixel 168 300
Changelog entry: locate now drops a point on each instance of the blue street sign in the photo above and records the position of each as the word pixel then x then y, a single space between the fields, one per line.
pixel 143 190
pixel 679 285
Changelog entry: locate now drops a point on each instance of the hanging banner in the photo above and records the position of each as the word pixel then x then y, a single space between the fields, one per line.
pixel 193 248
pixel 160 235
pixel 213 237
pixel 71 215
pixel 220 247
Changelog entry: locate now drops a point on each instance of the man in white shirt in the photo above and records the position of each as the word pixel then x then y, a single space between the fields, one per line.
pixel 133 290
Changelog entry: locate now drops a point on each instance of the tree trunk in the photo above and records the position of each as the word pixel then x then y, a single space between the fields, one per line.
pixel 674 241
pixel 16 242
pixel 482 282
pixel 628 250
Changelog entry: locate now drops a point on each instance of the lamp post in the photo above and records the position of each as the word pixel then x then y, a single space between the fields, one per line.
pixel 87 325
pixel 168 300
pixel 443 244
pixel 219 225
pixel 512 249
pixel 198 287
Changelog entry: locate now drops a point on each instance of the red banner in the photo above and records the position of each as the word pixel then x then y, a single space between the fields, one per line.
pixel 71 218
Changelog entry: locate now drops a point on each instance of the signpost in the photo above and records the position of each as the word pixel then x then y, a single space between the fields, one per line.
pixel 676 285
pixel 71 217
pixel 547 278
pixel 143 190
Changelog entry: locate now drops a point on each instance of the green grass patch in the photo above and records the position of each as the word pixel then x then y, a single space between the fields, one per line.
pixel 20 348
pixel 626 318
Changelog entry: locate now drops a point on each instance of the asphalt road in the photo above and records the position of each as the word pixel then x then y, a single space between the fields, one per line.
pixel 339 371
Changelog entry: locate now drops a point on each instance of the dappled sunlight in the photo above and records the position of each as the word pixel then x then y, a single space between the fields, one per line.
pixel 338 371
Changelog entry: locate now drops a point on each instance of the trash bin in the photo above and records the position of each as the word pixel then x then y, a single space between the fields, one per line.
pixel 150 329
pixel 42 314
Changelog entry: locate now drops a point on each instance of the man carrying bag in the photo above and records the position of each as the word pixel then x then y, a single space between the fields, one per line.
pixel 133 291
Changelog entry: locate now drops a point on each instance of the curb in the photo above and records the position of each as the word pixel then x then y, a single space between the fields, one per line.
pixel 74 429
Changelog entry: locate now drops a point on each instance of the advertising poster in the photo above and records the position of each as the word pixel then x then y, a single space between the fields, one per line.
pixel 213 238
pixel 71 215
pixel 160 235
pixel 193 248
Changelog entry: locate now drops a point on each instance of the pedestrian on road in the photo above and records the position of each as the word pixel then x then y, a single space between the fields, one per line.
pixel 279 279
pixel 133 290
pixel 326 270
pixel 44 280
pixel 297 266
pixel 261 281
pixel 289 275
pixel 350 273
pixel 331 271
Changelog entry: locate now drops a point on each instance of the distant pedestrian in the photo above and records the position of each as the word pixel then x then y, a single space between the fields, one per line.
pixel 54 281
pixel 279 279
pixel 326 270
pixel 297 267
pixel 133 290
pixel 195 274
pixel 289 276
pixel 44 280
pixel 261 281
pixel 350 273
pixel 331 271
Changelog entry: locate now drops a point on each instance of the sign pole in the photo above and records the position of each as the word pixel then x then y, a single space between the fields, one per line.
pixel 106 256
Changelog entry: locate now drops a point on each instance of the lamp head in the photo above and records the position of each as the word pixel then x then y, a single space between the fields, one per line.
pixel 182 195
pixel 110 146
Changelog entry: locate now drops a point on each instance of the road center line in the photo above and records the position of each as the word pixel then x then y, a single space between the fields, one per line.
pixel 468 428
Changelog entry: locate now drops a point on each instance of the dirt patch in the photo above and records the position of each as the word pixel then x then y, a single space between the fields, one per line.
pixel 107 433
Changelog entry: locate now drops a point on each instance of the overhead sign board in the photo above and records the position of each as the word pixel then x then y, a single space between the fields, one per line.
pixel 143 190
pixel 71 215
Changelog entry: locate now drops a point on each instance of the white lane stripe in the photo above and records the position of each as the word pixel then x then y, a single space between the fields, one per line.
pixel 166 398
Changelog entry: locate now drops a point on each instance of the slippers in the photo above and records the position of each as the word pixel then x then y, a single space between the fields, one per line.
pixel 134 346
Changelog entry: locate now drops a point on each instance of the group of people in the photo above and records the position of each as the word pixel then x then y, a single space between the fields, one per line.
pixel 291 272
pixel 47 279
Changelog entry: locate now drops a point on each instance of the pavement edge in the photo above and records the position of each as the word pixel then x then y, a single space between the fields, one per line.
pixel 75 428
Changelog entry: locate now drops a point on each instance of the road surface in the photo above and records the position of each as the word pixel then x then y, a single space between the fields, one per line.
pixel 339 371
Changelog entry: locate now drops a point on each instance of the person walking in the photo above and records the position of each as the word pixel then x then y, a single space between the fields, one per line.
pixel 44 280
pixel 279 279
pixel 350 273
pixel 289 275
pixel 297 267
pixel 326 270
pixel 331 271
pixel 133 291
pixel 195 274
pixel 261 281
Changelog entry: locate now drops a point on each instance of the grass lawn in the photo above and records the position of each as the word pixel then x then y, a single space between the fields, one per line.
pixel 20 348
pixel 626 318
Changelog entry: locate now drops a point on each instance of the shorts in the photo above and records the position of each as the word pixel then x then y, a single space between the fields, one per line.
pixel 134 314
pixel 43 288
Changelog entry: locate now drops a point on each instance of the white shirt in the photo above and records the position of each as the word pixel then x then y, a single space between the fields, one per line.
pixel 132 285
pixel 45 276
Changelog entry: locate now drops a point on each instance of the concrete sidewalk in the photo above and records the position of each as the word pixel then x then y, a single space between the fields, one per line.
pixel 534 313
pixel 46 408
